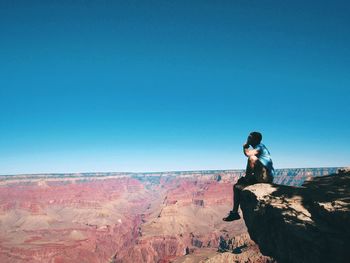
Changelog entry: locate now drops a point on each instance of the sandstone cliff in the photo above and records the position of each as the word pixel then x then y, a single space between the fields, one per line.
pixel 301 224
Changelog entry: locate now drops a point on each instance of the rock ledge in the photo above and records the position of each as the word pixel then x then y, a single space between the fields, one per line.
pixel 301 224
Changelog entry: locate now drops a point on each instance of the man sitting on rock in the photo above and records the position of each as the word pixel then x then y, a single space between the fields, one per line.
pixel 259 170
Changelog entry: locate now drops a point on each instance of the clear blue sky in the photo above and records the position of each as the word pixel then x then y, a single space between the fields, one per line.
pixel 172 85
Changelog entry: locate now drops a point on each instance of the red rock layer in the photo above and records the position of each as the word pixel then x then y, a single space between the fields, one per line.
pixel 69 221
pixel 122 219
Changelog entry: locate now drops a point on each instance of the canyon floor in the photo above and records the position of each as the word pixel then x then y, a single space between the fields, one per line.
pixel 116 217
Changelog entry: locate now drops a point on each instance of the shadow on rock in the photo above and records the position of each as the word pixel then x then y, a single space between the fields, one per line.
pixel 301 224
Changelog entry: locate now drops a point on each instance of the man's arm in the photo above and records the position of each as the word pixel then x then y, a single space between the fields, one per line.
pixel 247 152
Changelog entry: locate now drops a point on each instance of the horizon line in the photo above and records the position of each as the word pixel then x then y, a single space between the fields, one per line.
pixel 169 171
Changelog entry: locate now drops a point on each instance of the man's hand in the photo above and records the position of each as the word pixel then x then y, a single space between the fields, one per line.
pixel 249 152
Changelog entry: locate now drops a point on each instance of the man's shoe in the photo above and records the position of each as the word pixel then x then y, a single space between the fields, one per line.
pixel 232 216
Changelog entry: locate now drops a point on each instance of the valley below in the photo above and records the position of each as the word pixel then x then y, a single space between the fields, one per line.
pixel 127 217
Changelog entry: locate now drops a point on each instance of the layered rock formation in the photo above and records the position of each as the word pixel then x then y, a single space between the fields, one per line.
pixel 69 221
pixel 187 217
pixel 297 176
pixel 301 224
pixel 125 217
pixel 113 218
pixel 239 248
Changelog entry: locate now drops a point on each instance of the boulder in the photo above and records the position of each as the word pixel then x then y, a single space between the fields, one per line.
pixel 301 224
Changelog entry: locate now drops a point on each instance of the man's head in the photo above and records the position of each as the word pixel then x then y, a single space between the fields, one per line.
pixel 254 138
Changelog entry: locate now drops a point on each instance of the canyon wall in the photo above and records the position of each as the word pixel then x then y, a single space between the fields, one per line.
pixel 123 217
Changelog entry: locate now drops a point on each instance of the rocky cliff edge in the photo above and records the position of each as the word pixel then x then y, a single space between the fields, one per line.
pixel 301 224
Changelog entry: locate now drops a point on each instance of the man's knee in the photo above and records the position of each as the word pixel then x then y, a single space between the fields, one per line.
pixel 241 183
pixel 238 187
pixel 253 159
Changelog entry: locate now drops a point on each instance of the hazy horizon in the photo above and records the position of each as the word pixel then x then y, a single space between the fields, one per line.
pixel 169 171
pixel 172 85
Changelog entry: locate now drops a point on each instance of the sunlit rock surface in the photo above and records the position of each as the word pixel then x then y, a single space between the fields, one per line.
pixel 301 224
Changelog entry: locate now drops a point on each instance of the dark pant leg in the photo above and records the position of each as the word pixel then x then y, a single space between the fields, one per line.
pixel 248 171
pixel 237 189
